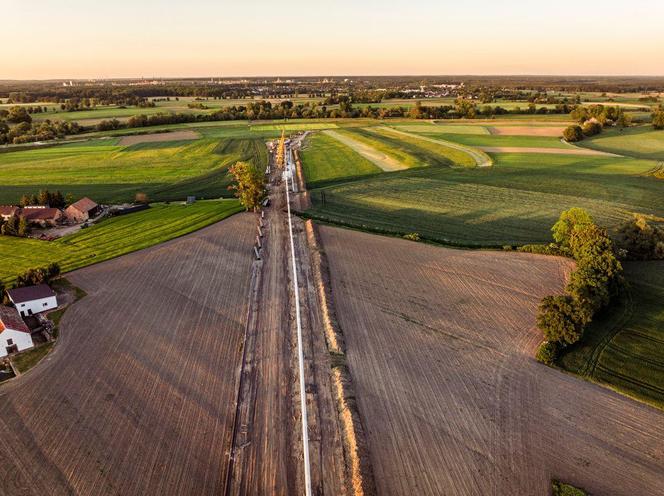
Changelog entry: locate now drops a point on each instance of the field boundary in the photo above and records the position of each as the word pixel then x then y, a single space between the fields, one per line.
pixel 481 158
pixel 356 448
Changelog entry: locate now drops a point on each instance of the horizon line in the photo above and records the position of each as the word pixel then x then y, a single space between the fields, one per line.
pixel 339 75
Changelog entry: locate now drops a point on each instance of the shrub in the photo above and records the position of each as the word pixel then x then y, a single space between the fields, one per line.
pixel 640 240
pixel 550 249
pixel 559 318
pixel 573 133
pixel 562 489
pixel 412 236
pixel 40 275
pixel 547 352
pixel 591 128
pixel 658 118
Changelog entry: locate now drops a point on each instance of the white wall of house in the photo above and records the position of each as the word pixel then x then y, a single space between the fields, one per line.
pixel 10 337
pixel 36 306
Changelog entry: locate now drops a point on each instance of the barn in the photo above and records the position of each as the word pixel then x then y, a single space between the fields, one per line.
pixel 14 334
pixel 83 210
pixel 44 216
pixel 30 300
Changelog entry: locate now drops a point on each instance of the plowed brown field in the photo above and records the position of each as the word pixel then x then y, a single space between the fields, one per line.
pixel 138 396
pixel 440 344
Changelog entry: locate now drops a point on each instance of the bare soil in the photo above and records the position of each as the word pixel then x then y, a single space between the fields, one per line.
pixel 159 137
pixel 440 345
pixel 267 452
pixel 526 131
pixel 138 395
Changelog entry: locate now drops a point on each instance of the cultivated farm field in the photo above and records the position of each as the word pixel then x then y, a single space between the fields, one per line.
pixel 112 237
pixel 138 395
pixel 513 202
pixel 440 345
pixel 110 170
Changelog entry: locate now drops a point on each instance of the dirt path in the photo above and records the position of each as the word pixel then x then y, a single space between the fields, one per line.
pixel 379 158
pixel 440 346
pixel 138 395
pixel 551 151
pixel 268 448
pixel 481 159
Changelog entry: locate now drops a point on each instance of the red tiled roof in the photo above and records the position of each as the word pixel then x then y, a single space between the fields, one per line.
pixel 40 213
pixel 30 293
pixel 10 319
pixel 84 205
pixel 8 210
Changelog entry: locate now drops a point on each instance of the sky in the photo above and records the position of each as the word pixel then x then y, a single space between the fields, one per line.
pixel 46 39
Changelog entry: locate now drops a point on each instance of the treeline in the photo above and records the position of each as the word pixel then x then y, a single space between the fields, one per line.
pixel 26 131
pixel 597 280
pixel 72 98
pixel 265 110
pixel 593 119
pixel 46 198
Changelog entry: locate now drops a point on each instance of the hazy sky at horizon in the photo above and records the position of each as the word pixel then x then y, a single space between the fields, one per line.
pixel 133 38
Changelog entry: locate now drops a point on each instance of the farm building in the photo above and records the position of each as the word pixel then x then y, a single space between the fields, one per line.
pixel 44 216
pixel 83 210
pixel 7 211
pixel 14 334
pixel 33 299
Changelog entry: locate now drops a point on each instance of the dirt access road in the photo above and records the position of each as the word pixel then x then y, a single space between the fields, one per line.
pixel 138 395
pixel 440 344
pixel 268 456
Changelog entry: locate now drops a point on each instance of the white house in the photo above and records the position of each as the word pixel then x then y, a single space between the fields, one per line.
pixel 14 334
pixel 33 299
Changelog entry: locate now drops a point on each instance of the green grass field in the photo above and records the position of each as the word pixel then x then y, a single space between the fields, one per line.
pixel 111 237
pixel 325 159
pixel 624 348
pixel 403 151
pixel 641 141
pixel 109 172
pixel 514 202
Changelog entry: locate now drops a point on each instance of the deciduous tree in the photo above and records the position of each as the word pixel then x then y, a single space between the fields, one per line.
pixel 249 184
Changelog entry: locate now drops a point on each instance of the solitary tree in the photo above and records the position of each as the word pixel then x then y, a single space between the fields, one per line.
pixel 249 184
